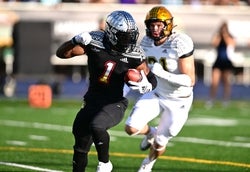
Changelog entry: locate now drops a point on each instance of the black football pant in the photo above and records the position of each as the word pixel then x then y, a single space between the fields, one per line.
pixel 91 125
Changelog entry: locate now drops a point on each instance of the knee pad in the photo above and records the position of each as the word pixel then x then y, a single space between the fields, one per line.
pixel 100 135
pixel 83 144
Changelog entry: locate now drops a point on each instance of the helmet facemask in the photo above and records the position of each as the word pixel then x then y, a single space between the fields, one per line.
pixel 127 40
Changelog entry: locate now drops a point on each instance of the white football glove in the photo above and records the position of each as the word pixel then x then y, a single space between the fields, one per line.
pixel 83 38
pixel 143 86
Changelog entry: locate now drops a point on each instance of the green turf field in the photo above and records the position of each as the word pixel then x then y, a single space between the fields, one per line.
pixel 213 140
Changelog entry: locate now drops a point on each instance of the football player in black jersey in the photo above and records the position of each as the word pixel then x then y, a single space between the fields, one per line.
pixel 110 54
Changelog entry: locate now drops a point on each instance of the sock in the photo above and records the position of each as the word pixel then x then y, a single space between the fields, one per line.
pixel 152 130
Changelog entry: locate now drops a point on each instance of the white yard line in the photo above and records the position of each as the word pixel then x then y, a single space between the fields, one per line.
pixel 35 125
pixel 27 167
pixel 211 121
pixel 212 142
pixel 122 134
pixel 192 140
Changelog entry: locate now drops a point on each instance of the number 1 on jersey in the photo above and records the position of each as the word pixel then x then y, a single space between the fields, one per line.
pixel 109 67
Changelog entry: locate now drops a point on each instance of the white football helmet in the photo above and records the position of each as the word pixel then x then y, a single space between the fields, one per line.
pixel 121 31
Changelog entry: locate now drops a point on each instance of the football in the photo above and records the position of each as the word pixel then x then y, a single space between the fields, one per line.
pixel 133 75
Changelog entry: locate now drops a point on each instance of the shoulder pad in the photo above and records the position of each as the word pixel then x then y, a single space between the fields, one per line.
pixel 97 38
pixel 137 53
pixel 183 42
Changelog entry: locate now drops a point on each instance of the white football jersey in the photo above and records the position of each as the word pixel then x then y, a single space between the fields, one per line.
pixel 176 46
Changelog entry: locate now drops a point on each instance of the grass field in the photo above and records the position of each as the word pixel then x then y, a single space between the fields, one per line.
pixel 214 140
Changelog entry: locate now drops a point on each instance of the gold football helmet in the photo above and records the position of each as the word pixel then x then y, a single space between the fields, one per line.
pixel 159 13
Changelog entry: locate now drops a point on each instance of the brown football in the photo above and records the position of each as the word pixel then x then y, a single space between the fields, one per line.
pixel 133 75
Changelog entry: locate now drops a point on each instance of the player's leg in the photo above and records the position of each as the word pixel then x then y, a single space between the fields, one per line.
pixel 215 80
pixel 172 120
pixel 80 156
pixel 145 109
pixel 148 139
pixel 226 79
pixel 156 149
pixel 109 116
pixel 83 140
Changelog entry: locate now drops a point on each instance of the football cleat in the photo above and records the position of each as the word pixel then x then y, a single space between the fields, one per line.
pixel 146 165
pixel 104 167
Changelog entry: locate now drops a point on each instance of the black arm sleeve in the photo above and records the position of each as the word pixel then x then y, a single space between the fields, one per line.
pixel 152 79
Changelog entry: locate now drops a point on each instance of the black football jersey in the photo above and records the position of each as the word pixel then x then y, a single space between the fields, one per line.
pixel 107 69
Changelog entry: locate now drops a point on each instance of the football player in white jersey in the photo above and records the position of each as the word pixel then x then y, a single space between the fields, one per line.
pixel 172 60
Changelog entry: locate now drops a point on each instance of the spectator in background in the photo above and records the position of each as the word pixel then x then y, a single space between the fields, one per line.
pixel 71 1
pixel 170 2
pixel 128 1
pixel 224 43
pixel 96 1
pixel 101 23
pixel 7 20
pixel 225 2
pixel 50 2
pixel 152 1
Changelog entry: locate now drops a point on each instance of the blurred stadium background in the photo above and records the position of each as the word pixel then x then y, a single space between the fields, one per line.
pixel 214 139
pixel 37 30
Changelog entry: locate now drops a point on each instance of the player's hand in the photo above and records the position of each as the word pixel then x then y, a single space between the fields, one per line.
pixel 157 68
pixel 143 86
pixel 83 38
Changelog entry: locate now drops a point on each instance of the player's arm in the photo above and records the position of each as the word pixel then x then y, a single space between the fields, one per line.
pixel 186 67
pixel 75 46
pixel 68 50
pixel 185 78
pixel 150 76
pixel 216 40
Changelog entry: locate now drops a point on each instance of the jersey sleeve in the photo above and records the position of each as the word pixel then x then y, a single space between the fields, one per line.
pixel 97 39
pixel 185 45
